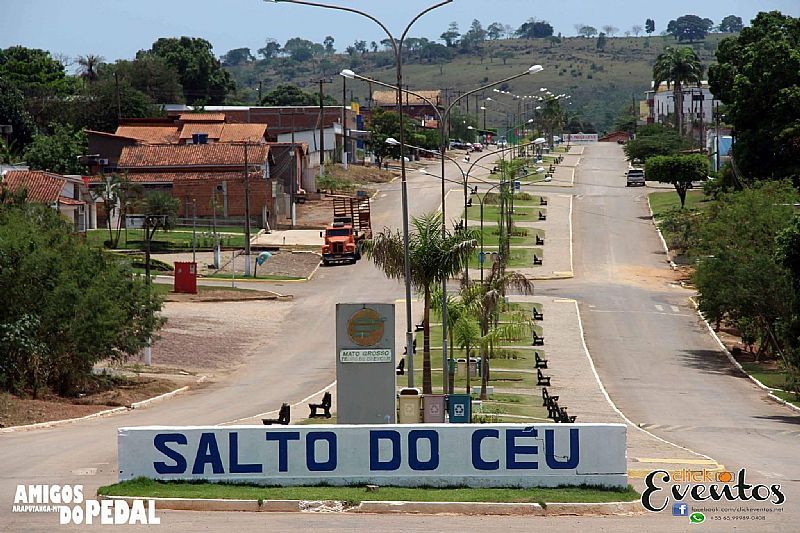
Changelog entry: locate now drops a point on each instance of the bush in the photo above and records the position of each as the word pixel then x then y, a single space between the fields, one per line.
pixel 63 305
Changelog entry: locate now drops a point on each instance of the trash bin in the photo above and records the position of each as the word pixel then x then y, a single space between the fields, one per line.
pixel 451 365
pixel 409 404
pixel 461 366
pixel 186 277
pixel 473 366
pixel 433 408
pixel 458 408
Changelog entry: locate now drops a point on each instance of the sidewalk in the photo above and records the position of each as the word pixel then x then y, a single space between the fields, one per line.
pixel 575 383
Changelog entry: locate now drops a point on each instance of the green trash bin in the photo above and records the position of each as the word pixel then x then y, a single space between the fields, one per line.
pixel 459 408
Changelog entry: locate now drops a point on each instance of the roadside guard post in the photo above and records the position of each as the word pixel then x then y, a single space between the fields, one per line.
pixel 459 408
pixel 433 408
pixel 186 277
pixel 409 403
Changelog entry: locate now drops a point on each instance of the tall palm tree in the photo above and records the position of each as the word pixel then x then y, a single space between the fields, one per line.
pixel 433 256
pixel 677 66
pixel 88 66
pixel 485 301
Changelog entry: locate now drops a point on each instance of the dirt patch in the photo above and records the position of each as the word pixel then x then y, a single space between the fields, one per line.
pixel 220 295
pixel 16 411
pixel 362 175
pixel 215 336
pixel 646 276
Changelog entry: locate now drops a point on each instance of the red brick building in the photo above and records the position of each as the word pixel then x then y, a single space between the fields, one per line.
pixel 68 195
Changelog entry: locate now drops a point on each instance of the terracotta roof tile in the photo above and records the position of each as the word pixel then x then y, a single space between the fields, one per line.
pixel 191 155
pixel 202 117
pixel 171 177
pixel 70 201
pixel 150 134
pixel 214 131
pixel 243 132
pixel 42 187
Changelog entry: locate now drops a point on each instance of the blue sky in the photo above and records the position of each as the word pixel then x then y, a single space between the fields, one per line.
pixel 118 28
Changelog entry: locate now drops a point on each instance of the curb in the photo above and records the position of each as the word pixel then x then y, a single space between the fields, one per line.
pixel 391 507
pixel 738 365
pixel 672 264
pixel 99 414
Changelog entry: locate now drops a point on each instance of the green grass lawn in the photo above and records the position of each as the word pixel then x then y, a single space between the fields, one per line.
pixel 663 201
pixel 133 239
pixel 520 258
pixel 491 237
pixel 788 396
pixel 354 495
pixel 772 378
pixel 491 213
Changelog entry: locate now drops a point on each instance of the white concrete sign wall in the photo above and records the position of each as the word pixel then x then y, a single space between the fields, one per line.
pixel 580 138
pixel 474 455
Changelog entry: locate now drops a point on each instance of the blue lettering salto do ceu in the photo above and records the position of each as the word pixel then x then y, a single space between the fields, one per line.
pixel 419 450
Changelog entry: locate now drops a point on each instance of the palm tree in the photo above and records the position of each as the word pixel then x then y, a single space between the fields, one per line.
pixel 88 66
pixel 434 256
pixel 677 66
pixel 485 300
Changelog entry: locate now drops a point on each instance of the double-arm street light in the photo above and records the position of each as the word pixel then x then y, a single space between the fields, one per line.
pixel 443 116
pixel 397 48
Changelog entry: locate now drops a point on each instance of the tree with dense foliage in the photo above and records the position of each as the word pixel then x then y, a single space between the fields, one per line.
pixel 383 125
pixel 649 26
pixel 586 31
pixel 58 152
pixel 601 41
pixel 237 56
pixel 677 67
pixel 13 112
pixel 731 24
pixel 292 95
pixel 679 170
pixel 270 50
pixel 690 28
pixel 33 72
pixel 758 79
pixel 148 74
pixel 64 306
pixel 202 77
pixel 328 44
pixel 473 38
pixel 653 140
pixel 495 31
pixel 746 269
pixel 433 256
pixel 450 37
pixel 534 29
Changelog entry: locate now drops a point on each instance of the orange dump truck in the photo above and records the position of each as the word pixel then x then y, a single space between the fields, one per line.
pixel 351 225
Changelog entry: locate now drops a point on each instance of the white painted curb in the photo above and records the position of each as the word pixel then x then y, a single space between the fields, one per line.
pixel 672 264
pixel 391 507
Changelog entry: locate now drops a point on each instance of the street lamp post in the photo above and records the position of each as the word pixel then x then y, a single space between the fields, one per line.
pixel 397 47
pixel 347 73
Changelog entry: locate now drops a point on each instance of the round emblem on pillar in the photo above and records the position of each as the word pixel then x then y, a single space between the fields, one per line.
pixel 365 327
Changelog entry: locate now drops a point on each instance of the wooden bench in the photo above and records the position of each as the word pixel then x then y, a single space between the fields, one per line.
pixel 419 327
pixel 542 216
pixel 325 406
pixel 546 398
pixel 540 363
pixel 284 415
pixel 537 260
pixel 539 241
pixel 537 315
pixel 537 340
pixel 541 379
pixel 542 200
pixel 564 417
pixel 553 411
pixel 413 347
pixel 401 368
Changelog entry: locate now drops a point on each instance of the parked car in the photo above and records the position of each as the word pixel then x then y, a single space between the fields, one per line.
pixel 457 144
pixel 478 147
pixel 502 142
pixel 635 176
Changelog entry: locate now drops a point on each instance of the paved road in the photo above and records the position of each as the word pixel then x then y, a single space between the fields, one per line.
pixel 657 359
pixel 660 366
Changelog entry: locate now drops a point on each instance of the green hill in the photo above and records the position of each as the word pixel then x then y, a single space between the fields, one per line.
pixel 600 82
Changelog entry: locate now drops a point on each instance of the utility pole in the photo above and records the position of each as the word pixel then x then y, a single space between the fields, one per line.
pixel 344 122
pixel 293 185
pixel 246 213
pixel 321 81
